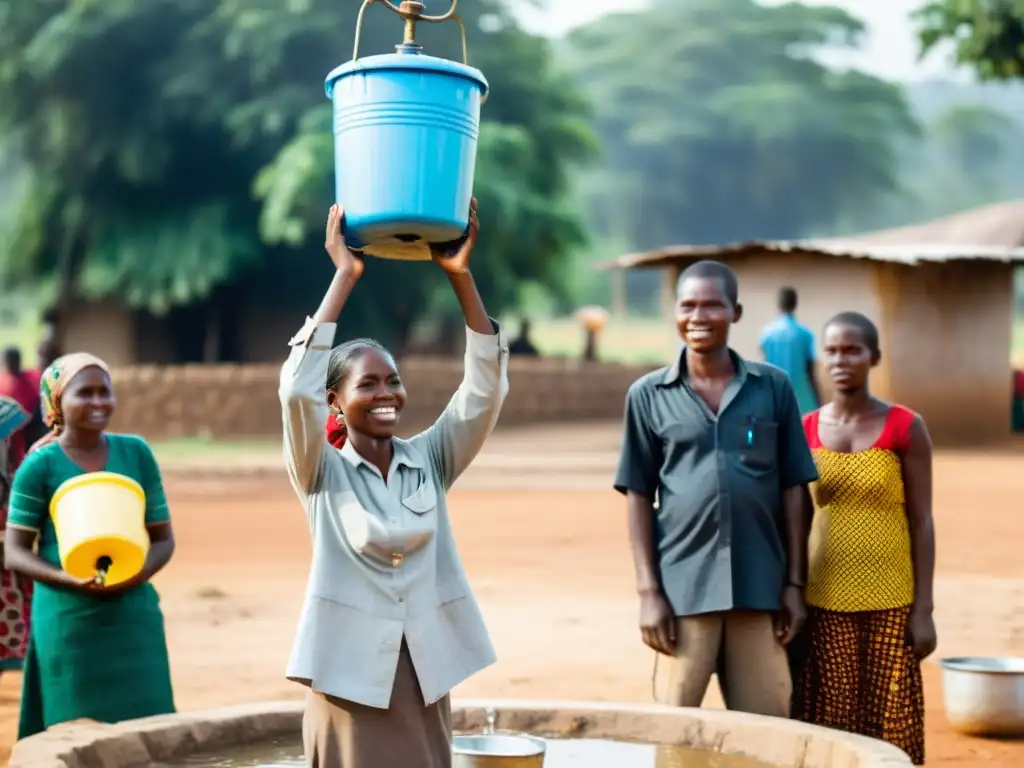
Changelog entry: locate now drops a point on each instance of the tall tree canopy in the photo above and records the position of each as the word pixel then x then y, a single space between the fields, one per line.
pixel 974 140
pixel 988 34
pixel 720 123
pixel 172 147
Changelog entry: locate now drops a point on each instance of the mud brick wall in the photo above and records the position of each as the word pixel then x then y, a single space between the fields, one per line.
pixel 240 401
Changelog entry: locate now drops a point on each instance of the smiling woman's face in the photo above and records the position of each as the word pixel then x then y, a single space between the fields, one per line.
pixel 88 402
pixel 372 396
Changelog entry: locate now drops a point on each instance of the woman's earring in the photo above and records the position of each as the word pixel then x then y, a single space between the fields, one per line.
pixel 339 417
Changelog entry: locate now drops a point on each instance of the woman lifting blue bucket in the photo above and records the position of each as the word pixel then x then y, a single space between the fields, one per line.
pixel 389 624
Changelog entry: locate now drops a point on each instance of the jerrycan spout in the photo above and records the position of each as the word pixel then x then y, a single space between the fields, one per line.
pixel 102 568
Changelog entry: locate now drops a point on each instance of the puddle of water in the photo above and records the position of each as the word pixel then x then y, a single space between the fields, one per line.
pixel 568 753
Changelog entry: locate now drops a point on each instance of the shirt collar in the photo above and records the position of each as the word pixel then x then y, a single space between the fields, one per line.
pixel 404 455
pixel 675 372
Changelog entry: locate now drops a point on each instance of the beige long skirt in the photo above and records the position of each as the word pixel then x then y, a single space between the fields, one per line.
pixel 341 734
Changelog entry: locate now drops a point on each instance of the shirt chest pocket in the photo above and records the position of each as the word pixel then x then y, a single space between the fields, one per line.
pixel 423 499
pixel 418 518
pixel 755 446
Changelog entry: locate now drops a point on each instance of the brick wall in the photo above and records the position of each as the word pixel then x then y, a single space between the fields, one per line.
pixel 231 402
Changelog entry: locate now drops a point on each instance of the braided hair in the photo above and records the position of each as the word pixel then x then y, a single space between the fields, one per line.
pixel 343 357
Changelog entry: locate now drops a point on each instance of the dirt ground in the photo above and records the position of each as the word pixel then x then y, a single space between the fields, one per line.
pixel 544 542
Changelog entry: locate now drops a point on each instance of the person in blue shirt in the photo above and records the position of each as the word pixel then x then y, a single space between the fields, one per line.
pixel 788 345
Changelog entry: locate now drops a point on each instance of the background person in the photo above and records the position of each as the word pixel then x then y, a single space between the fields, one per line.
pixel 522 345
pixel 15 591
pixel 18 384
pixel 789 345
pixel 94 652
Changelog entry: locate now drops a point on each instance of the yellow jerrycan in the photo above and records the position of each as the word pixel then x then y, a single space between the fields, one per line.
pixel 100 521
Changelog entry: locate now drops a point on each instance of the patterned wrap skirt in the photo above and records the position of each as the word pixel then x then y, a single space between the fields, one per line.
pixel 856 672
pixel 15 619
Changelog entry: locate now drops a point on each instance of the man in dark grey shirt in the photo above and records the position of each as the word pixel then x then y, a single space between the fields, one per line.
pixel 721 561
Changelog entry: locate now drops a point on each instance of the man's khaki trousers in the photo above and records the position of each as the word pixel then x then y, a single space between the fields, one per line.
pixel 741 646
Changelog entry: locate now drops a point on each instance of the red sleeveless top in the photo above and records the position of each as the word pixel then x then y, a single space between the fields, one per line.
pixel 860 540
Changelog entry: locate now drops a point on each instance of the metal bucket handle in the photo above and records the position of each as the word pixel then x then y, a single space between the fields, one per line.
pixel 412 12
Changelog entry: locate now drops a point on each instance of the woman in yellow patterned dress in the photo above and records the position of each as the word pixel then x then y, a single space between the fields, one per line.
pixel 857 666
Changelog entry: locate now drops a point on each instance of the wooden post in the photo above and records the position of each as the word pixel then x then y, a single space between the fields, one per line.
pixel 667 302
pixel 886 285
pixel 620 296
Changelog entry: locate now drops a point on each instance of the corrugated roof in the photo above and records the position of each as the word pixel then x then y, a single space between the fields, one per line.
pixel 1000 225
pixel 990 233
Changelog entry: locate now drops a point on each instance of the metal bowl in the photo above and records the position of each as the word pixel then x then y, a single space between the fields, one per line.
pixel 498 751
pixel 984 695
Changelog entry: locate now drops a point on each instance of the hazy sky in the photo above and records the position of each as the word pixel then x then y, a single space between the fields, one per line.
pixel 891 50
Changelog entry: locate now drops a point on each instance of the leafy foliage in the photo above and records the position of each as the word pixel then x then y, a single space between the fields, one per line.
pixel 117 192
pixel 720 124
pixel 173 146
pixel 974 138
pixel 989 34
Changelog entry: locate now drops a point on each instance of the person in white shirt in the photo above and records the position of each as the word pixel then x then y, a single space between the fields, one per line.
pixel 389 625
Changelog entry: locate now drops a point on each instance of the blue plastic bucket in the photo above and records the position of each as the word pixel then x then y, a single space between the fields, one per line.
pixel 405 136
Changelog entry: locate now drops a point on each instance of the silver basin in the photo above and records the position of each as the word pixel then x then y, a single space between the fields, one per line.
pixel 984 695
pixel 498 751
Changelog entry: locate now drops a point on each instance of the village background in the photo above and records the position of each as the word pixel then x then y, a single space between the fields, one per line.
pixel 165 172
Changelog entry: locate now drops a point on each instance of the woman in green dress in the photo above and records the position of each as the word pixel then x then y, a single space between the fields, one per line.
pixel 95 652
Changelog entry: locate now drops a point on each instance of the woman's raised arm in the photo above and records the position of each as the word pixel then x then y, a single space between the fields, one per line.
pixel 457 436
pixel 304 374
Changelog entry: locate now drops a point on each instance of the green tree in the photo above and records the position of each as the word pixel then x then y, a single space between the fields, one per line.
pixel 176 153
pixel 720 124
pixel 974 140
pixel 118 197
pixel 988 34
pixel 965 159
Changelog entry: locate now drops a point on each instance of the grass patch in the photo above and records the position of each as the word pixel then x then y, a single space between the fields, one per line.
pixel 629 340
pixel 207 448
pixel 22 330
